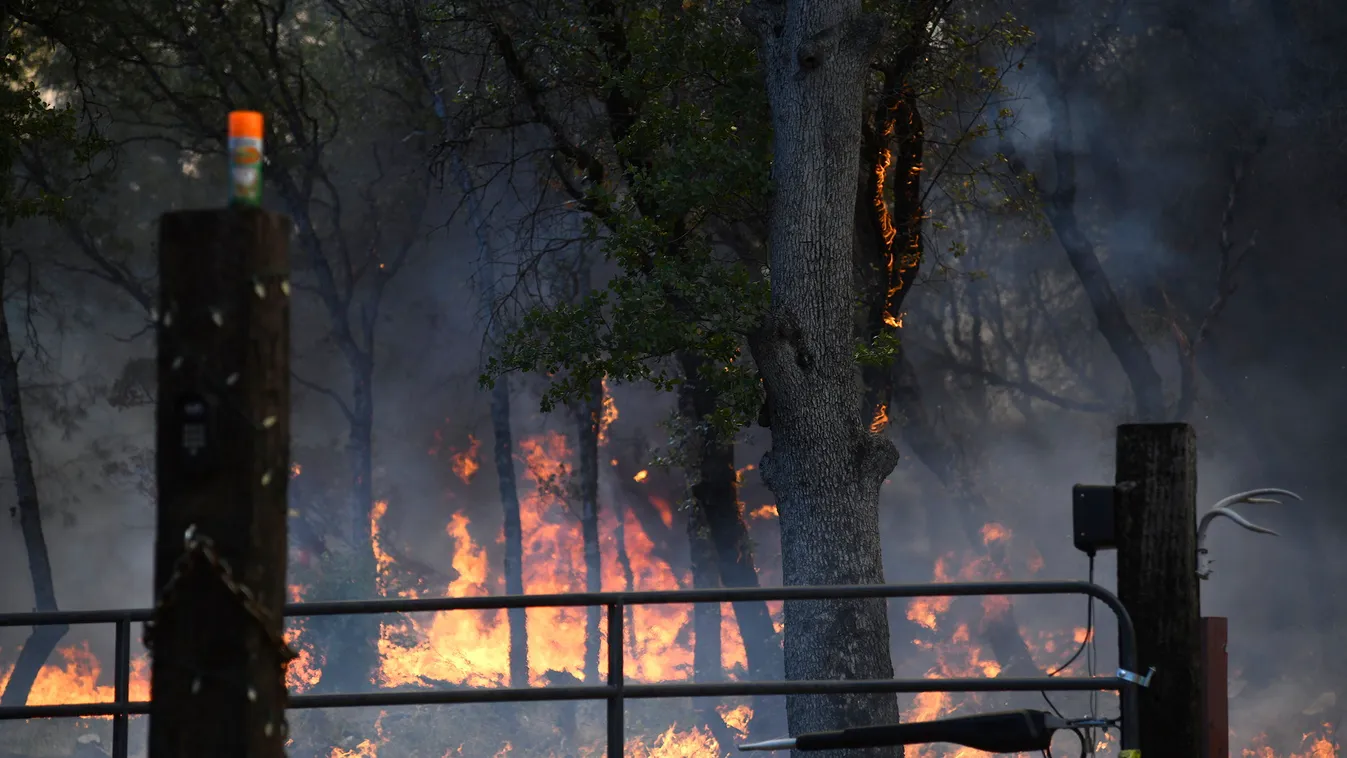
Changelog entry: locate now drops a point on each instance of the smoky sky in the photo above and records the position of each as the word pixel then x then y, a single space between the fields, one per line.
pixel 1157 125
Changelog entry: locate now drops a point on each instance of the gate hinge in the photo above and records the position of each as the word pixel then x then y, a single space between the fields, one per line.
pixel 1135 678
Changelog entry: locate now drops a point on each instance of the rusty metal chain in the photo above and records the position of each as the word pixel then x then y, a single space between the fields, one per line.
pixel 198 545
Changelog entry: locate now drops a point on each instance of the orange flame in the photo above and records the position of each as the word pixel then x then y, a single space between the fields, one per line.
pixel 607 414
pixel 464 464
pixel 881 418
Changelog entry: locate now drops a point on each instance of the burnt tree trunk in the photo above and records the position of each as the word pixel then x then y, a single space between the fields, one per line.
pixel 620 510
pixel 355 638
pixel 500 425
pixel 1059 205
pixel 825 466
pixel 43 639
pixel 706 649
pixel 513 530
pixel 716 508
pixel 589 412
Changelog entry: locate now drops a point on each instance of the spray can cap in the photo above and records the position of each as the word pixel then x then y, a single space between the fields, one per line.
pixel 245 124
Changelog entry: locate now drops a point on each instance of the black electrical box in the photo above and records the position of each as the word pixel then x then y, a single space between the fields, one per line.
pixel 1092 508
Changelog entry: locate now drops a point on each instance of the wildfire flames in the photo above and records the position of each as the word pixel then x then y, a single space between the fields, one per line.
pixel 473 648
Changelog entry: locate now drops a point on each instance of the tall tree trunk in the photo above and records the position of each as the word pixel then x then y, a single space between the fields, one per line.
pixel 888 243
pixel 514 530
pixel 433 81
pixel 706 650
pixel 620 510
pixel 825 466
pixel 716 509
pixel 889 248
pixel 1059 205
pixel 500 422
pixel 355 638
pixel 590 412
pixel 43 639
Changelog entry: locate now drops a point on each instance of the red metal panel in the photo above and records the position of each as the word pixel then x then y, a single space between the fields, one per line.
pixel 1215 693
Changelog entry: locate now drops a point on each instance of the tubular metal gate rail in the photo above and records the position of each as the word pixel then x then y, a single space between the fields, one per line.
pixel 617 690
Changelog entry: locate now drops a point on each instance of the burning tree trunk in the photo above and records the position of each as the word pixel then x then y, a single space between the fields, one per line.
pixel 43 639
pixel 825 466
pixel 590 414
pixel 888 252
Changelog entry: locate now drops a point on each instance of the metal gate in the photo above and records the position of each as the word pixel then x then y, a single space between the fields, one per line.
pixel 617 690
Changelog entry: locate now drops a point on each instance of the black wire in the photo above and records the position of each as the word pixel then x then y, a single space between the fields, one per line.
pixel 1089 633
pixel 1085 747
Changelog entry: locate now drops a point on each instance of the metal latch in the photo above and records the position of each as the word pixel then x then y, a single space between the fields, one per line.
pixel 1135 678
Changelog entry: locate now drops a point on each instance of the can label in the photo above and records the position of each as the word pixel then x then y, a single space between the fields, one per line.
pixel 245 170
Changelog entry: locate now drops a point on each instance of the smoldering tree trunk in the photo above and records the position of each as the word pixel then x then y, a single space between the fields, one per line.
pixel 825 466
pixel 889 249
pixel 590 412
pixel 715 499
pixel 43 639
pixel 513 530
pixel 888 243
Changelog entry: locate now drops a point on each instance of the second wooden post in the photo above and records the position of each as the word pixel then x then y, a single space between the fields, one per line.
pixel 1156 532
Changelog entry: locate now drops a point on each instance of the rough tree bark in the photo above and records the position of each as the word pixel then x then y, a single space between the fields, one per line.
pixel 716 509
pixel 589 412
pixel 706 648
pixel 825 466
pixel 43 639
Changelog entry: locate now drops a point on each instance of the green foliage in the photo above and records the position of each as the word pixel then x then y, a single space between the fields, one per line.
pixel 28 123
pixel 693 159
pixel 678 153
pixel 880 351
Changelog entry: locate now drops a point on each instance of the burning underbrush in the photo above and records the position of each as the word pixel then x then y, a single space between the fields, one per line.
pixel 643 545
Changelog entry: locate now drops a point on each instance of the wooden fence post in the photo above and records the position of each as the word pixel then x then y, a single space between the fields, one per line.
pixel 223 436
pixel 1156 528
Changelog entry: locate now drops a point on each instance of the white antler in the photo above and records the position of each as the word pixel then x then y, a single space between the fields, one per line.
pixel 1223 509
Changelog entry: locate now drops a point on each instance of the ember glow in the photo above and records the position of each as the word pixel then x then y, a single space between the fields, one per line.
pixel 880 419
pixel 472 648
pixel 465 463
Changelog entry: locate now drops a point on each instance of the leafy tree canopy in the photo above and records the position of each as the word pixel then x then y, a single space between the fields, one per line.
pixel 657 119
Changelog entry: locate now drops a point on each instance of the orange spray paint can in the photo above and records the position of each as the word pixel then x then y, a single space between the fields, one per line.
pixel 245 158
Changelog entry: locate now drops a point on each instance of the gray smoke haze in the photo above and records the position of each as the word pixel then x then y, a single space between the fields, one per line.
pixel 1157 124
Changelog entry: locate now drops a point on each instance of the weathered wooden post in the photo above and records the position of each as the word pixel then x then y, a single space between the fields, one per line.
pixel 223 417
pixel 1156 531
